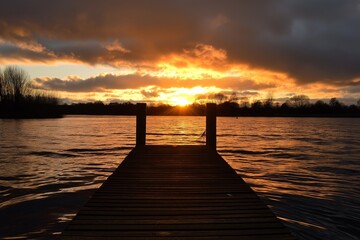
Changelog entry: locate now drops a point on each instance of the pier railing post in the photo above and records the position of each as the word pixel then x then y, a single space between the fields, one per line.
pixel 211 125
pixel 140 124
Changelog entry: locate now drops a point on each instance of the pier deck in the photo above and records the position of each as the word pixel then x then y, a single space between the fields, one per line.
pixel 175 192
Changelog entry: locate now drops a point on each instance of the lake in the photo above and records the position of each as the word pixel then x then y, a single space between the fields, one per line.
pixel 307 170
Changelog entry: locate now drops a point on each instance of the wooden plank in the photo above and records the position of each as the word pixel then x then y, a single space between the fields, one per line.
pixel 169 227
pixel 173 221
pixel 177 205
pixel 178 217
pixel 188 233
pixel 175 192
pixel 264 237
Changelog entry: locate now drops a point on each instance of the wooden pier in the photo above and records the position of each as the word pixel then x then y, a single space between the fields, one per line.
pixel 175 192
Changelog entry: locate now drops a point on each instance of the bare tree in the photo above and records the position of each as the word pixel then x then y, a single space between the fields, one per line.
pixel 320 103
pixel 220 97
pixel 257 104
pixel 15 83
pixel 334 102
pixel 269 101
pixel 233 97
pixel 244 102
pixel 299 101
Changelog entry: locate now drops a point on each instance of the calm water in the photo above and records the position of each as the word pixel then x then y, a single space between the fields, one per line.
pixel 306 169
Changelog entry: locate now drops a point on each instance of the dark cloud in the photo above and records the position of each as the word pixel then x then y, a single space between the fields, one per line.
pixel 150 93
pixel 108 82
pixel 353 89
pixel 227 95
pixel 248 94
pixel 312 41
pixel 95 84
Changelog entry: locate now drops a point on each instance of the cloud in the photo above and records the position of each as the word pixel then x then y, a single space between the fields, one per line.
pixel 109 82
pixel 152 93
pixel 99 83
pixel 311 41
pixel 24 45
pixel 115 46
pixel 353 89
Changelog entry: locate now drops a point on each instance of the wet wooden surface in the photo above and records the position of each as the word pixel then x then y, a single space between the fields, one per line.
pixel 175 192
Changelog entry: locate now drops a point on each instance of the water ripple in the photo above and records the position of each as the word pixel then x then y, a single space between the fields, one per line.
pixel 306 170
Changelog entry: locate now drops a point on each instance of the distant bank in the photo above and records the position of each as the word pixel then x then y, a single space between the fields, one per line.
pixel 231 109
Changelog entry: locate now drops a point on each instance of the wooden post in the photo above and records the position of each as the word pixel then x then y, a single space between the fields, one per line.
pixel 211 125
pixel 140 124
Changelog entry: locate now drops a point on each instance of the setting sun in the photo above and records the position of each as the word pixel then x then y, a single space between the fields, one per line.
pixel 179 101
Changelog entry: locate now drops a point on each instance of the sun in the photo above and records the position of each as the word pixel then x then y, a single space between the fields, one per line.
pixel 182 102
pixel 179 101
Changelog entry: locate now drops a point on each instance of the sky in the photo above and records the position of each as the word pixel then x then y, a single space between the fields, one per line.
pixel 178 52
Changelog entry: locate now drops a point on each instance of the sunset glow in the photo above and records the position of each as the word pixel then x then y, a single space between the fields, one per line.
pixel 219 51
pixel 180 101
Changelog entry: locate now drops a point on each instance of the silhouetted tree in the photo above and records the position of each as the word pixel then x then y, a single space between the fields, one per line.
pixel 299 101
pixel 320 103
pixel 228 109
pixel 233 97
pixel 15 83
pixel 269 101
pixel 257 104
pixel 334 103
pixel 358 102
pixel 220 97
pixel 244 102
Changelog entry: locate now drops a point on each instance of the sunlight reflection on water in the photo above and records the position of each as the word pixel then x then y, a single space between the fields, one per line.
pixel 305 169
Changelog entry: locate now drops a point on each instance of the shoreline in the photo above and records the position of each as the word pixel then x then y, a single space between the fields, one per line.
pixel 30 116
pixel 53 116
pixel 219 115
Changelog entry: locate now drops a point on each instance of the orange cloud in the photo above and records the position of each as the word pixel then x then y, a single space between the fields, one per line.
pixel 276 46
pixel 296 39
pixel 116 46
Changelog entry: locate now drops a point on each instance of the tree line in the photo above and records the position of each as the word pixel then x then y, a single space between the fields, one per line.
pixel 19 100
pixel 297 106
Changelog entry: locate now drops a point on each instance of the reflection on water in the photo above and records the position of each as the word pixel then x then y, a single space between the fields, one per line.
pixel 305 169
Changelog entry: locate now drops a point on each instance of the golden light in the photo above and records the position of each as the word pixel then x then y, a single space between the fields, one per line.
pixel 183 78
pixel 189 72
pixel 179 101
pixel 179 96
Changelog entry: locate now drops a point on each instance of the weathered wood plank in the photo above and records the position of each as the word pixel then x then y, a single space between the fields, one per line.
pixel 264 237
pixel 179 217
pixel 173 221
pixel 179 227
pixel 188 233
pixel 175 192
